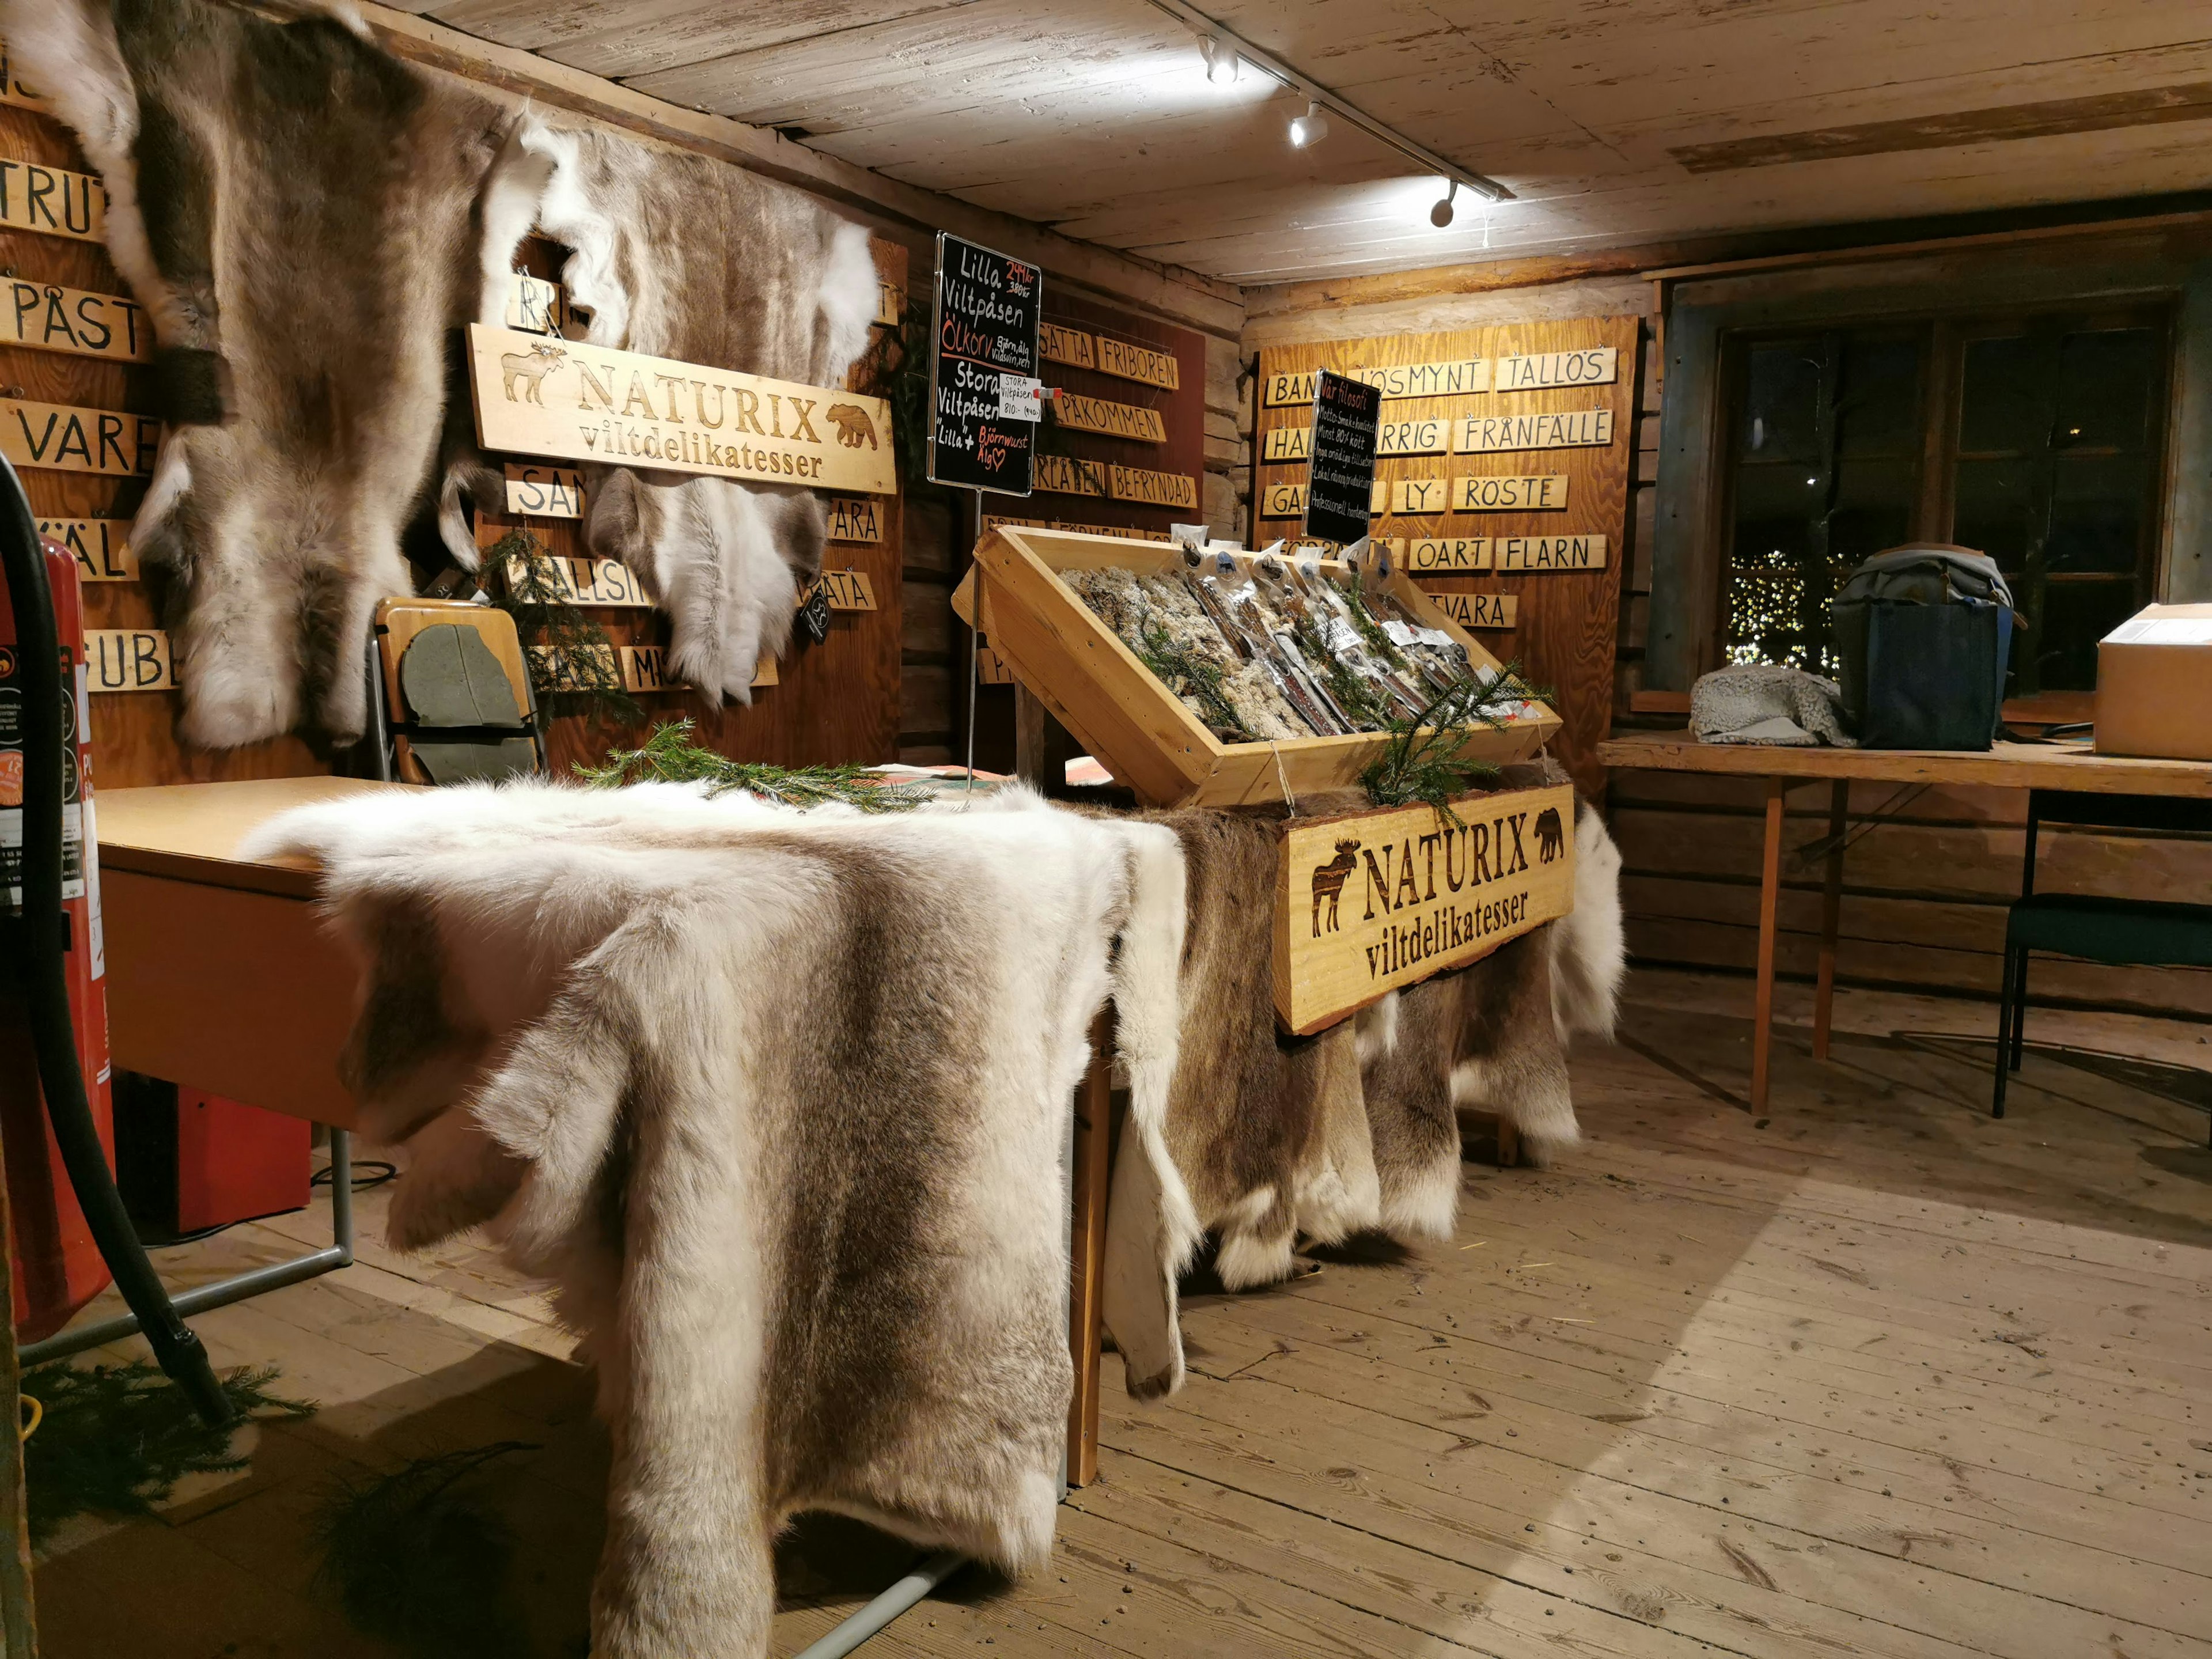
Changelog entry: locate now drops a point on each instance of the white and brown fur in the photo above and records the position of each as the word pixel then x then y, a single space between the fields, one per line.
pixel 681 256
pixel 777 1100
pixel 295 208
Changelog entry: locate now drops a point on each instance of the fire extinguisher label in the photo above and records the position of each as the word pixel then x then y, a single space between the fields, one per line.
pixel 11 784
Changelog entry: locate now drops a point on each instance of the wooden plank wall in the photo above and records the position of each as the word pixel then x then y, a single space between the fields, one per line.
pixel 838 701
pixel 1568 622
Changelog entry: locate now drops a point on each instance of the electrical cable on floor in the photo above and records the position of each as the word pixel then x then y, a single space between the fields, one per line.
pixel 385 1172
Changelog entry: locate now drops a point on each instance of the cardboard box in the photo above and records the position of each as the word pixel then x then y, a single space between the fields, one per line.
pixel 2154 684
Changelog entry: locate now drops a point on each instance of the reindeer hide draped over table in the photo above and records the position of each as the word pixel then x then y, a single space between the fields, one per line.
pixel 296 209
pixel 677 255
pixel 777 1099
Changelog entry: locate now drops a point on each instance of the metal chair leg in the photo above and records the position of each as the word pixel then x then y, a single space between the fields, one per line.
pixel 2019 1006
pixel 2005 1015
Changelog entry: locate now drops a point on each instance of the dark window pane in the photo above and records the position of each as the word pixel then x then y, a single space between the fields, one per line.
pixel 2104 383
pixel 2096 512
pixel 1782 403
pixel 1992 509
pixel 1772 543
pixel 2005 401
pixel 1879 413
pixel 1789 491
pixel 2075 617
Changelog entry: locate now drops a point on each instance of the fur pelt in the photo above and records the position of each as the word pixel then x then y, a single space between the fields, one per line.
pixel 685 257
pixel 295 210
pixel 1267 1132
pixel 1492 1037
pixel 777 1100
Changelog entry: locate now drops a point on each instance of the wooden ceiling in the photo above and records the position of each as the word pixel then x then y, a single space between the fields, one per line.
pixel 1613 122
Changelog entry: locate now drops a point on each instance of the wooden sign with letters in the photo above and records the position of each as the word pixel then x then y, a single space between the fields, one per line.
pixel 603 582
pixel 13 91
pixel 1453 378
pixel 70 440
pixel 990 667
pixel 1369 903
pixel 635 667
pixel 128 659
pixel 1135 363
pixel 1134 483
pixel 1063 475
pixel 1424 437
pixel 1287 443
pixel 576 402
pixel 1550 552
pixel 52 201
pixel 1426 555
pixel 846 590
pixel 48 318
pixel 1109 419
pixel 1474 493
pixel 1477 610
pixel 544 492
pixel 1490 435
pixel 1422 495
pixel 102 547
pixel 534 304
pixel 992 521
pixel 855 519
pixel 1551 370
pixel 890 301
pixel 1071 346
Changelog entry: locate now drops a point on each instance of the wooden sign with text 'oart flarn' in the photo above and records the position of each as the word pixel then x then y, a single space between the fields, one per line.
pixel 1369 903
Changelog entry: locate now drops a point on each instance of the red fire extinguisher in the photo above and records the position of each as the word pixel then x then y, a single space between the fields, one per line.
pixel 56 1264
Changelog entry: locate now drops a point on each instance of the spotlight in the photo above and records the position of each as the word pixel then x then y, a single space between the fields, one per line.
pixel 1309 128
pixel 1222 65
pixel 1441 214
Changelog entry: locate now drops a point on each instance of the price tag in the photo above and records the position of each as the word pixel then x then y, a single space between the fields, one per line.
pixel 1018 398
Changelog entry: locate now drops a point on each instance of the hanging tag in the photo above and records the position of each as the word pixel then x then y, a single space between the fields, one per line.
pixel 1018 398
pixel 814 613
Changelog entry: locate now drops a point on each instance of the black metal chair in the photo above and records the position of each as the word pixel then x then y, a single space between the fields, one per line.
pixel 2140 932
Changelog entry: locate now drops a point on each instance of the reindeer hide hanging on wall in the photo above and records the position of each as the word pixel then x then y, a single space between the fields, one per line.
pixel 296 210
pixel 681 256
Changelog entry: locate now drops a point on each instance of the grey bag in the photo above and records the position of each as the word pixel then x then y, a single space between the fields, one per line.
pixel 1923 635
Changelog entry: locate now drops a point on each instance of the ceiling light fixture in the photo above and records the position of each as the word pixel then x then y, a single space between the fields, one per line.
pixel 1441 214
pixel 1222 65
pixel 1229 42
pixel 1309 128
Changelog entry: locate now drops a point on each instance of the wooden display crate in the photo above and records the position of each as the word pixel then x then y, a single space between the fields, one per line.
pixel 1096 687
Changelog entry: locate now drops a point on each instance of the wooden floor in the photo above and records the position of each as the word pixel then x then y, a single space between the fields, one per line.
pixel 1873 1374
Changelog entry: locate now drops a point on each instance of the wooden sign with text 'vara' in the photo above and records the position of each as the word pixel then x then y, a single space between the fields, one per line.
pixel 1369 903
pixel 571 401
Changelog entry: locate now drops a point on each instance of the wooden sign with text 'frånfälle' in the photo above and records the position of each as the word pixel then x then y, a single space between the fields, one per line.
pixel 1369 903
pixel 576 402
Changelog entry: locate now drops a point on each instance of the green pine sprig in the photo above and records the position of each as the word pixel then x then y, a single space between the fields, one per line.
pixel 1426 758
pixel 673 755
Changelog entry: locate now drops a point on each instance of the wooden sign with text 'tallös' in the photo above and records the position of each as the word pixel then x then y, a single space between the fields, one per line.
pixel 1372 902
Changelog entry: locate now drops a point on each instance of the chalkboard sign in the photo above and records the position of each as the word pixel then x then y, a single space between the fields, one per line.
pixel 982 384
pixel 1347 414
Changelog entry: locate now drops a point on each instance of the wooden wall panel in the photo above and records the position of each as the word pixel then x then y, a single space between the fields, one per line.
pixel 838 701
pixel 1567 621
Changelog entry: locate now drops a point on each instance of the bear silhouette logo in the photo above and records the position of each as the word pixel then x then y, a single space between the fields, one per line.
pixel 1328 881
pixel 1550 837
pixel 532 366
pixel 853 425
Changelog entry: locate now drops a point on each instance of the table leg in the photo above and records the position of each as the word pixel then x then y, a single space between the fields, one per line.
pixel 1831 904
pixel 1094 1122
pixel 1770 897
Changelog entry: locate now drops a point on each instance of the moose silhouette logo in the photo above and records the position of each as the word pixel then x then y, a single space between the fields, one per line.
pixel 1328 881
pixel 853 425
pixel 1550 837
pixel 532 366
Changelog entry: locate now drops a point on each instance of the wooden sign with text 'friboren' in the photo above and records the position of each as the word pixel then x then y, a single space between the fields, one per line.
pixel 1369 903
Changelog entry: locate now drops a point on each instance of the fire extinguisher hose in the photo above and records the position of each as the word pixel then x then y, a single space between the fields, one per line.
pixel 44 933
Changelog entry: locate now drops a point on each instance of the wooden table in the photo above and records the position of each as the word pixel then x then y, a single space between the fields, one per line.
pixel 2064 765
pixel 221 976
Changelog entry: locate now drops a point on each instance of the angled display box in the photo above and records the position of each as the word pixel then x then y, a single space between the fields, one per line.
pixel 1097 686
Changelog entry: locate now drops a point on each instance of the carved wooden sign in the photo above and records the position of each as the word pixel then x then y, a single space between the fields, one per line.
pixel 1425 555
pixel 572 401
pixel 1479 610
pixel 1135 363
pixel 1551 370
pixel 855 519
pixel 1112 420
pixel 1430 436
pixel 102 547
pixel 1473 492
pixel 45 316
pixel 128 659
pixel 1550 552
pixel 1490 434
pixel 544 492
pixel 67 439
pixel 1368 903
pixel 1071 346
pixel 52 201
pixel 1132 483
pixel 1418 496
